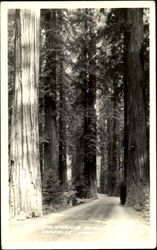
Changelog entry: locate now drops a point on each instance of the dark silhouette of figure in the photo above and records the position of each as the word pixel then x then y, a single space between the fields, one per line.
pixel 73 200
pixel 122 193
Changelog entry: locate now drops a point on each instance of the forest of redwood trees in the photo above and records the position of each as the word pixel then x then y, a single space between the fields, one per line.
pixel 78 86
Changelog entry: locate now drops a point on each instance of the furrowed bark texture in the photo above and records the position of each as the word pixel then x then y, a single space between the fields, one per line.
pixel 102 174
pixel 78 164
pixel 90 116
pixel 115 142
pixel 111 167
pixel 62 137
pixel 25 178
pixel 62 109
pixel 103 166
pixel 137 167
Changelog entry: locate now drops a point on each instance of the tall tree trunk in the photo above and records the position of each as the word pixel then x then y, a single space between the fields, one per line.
pixel 84 76
pixel 125 134
pixel 62 138
pixel 104 157
pixel 50 154
pixel 110 170
pixel 115 141
pixel 62 104
pixel 25 177
pixel 112 142
pixel 78 154
pixel 137 167
pixel 102 171
pixel 90 127
pixel 78 163
pixel 41 133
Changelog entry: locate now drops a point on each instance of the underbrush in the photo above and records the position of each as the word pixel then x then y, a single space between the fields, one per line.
pixel 56 196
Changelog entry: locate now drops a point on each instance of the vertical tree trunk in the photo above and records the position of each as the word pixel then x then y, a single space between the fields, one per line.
pixel 77 170
pixel 137 167
pixel 62 120
pixel 62 140
pixel 125 134
pixel 102 172
pixel 112 142
pixel 78 166
pixel 25 178
pixel 104 155
pixel 41 133
pixel 115 141
pixel 90 127
pixel 78 154
pixel 84 75
pixel 50 154
pixel 110 170
pixel 92 108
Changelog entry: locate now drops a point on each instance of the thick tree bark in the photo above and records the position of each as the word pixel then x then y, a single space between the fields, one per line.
pixel 62 104
pixel 90 123
pixel 50 151
pixel 125 135
pixel 78 162
pixel 102 173
pixel 62 143
pixel 78 153
pixel 62 140
pixel 115 142
pixel 103 153
pixel 78 166
pixel 50 154
pixel 84 76
pixel 137 167
pixel 110 170
pixel 25 177
pixel 112 132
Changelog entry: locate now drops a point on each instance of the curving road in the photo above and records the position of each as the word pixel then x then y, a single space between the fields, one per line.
pixel 103 219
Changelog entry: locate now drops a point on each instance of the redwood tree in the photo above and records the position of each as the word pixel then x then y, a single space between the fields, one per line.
pixel 24 175
pixel 137 164
pixel 62 104
pixel 50 154
pixel 90 110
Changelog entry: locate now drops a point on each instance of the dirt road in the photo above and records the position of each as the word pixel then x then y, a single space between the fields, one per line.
pixel 102 220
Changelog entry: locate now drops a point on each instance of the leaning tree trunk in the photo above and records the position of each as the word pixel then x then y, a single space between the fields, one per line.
pixel 25 178
pixel 137 167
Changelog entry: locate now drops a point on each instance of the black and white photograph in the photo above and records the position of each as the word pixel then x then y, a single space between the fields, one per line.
pixel 78 149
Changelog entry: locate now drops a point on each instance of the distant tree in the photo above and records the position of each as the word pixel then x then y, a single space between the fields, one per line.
pixel 111 84
pixel 90 106
pixel 50 149
pixel 62 104
pixel 79 105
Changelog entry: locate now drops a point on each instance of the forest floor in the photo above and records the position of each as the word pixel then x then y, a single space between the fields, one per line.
pixel 103 220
